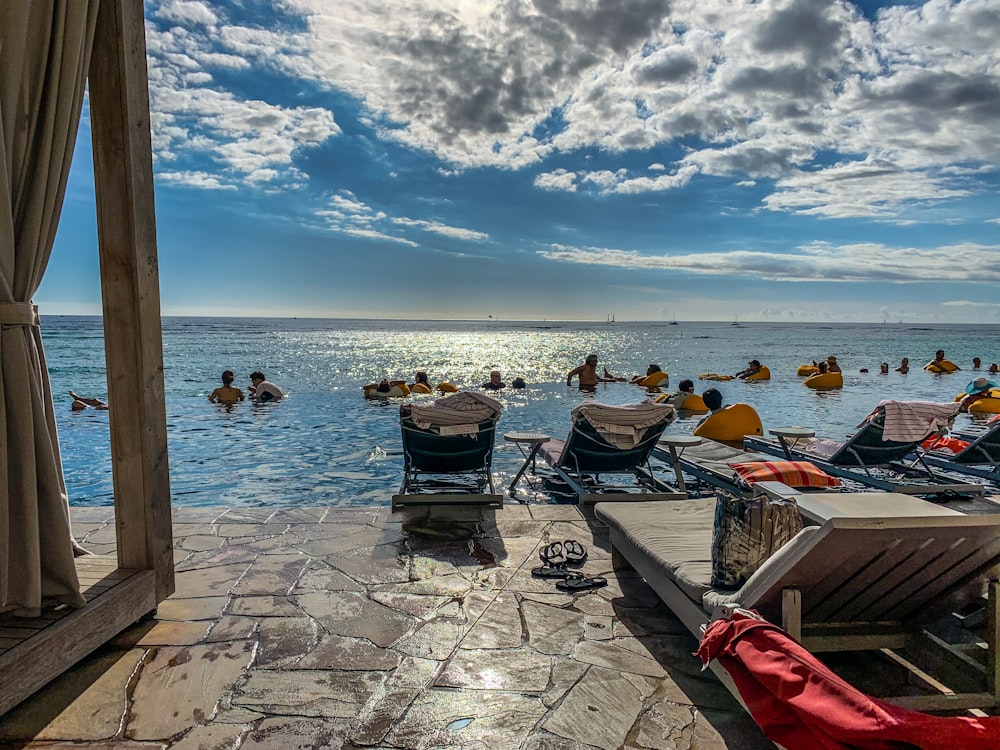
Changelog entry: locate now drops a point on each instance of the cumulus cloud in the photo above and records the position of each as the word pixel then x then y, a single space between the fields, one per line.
pixel 799 92
pixel 818 261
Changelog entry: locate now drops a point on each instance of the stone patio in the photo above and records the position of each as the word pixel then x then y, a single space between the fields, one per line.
pixel 358 628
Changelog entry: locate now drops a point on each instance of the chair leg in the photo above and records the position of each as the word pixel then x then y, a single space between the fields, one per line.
pixel 993 637
pixel 791 612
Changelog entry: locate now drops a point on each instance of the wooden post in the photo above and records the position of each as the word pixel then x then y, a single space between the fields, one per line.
pixel 126 223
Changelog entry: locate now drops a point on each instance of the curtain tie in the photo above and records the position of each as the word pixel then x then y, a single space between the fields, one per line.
pixel 18 314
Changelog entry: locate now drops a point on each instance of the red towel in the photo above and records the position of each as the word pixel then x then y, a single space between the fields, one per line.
pixel 800 703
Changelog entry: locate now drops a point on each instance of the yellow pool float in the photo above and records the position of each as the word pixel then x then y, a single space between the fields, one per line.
pixel 988 405
pixel 446 387
pixel 397 389
pixel 730 424
pixel 762 374
pixel 943 365
pixel 714 376
pixel 419 388
pixel 693 402
pixel 654 380
pixel 805 371
pixel 825 381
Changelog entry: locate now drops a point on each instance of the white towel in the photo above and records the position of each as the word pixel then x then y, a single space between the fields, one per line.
pixel 910 421
pixel 462 408
pixel 623 426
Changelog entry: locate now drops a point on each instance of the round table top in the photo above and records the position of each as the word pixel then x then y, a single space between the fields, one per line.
pixel 526 437
pixel 680 441
pixel 793 432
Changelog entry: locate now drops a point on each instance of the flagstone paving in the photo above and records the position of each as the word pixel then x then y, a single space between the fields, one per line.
pixel 360 628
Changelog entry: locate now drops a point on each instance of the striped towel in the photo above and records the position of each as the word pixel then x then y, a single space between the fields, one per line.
pixel 623 426
pixel 463 408
pixel 912 421
pixel 797 474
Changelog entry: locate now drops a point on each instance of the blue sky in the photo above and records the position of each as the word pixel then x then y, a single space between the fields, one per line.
pixel 566 159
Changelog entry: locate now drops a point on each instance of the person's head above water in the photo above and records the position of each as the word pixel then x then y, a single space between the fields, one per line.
pixel 591 359
pixel 228 377
pixel 686 386
pixel 420 377
pixel 712 398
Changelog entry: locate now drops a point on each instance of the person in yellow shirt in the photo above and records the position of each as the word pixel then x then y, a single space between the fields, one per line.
pixel 227 394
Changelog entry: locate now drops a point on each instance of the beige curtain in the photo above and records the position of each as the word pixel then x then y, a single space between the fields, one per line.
pixel 44 54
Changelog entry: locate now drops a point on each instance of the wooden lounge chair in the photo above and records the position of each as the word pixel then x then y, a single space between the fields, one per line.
pixel 981 458
pixel 612 441
pixel 448 451
pixel 868 577
pixel 865 450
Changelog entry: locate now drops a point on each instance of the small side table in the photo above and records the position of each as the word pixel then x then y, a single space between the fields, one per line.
pixel 784 434
pixel 676 445
pixel 520 439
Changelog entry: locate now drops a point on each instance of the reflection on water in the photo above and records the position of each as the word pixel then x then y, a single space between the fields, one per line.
pixel 326 445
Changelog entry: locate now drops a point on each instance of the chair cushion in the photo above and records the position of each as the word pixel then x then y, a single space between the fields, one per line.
pixel 797 474
pixel 747 531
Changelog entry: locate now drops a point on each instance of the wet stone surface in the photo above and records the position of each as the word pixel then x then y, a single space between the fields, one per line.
pixel 327 628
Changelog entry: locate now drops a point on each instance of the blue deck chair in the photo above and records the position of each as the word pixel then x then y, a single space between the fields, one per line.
pixel 448 452
pixel 868 450
pixel 612 441
pixel 981 458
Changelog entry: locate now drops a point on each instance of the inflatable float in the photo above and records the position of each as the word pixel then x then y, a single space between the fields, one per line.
pixel 939 366
pixel 419 388
pixel 447 387
pixel 825 381
pixel 655 380
pixel 762 374
pixel 730 424
pixel 396 389
pixel 714 376
pixel 693 402
pixel 988 405
pixel 805 371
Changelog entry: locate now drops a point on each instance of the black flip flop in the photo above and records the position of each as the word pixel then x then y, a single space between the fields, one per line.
pixel 578 582
pixel 574 552
pixel 552 554
pixel 549 571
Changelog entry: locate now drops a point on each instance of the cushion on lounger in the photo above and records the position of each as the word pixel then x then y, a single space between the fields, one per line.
pixel 797 474
pixel 747 532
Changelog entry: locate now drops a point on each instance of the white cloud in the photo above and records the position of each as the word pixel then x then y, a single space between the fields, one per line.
pixel 819 261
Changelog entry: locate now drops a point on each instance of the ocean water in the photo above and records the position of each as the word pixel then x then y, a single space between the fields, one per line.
pixel 327 445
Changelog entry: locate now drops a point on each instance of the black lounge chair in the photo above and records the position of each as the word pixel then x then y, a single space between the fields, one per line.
pixel 868 450
pixel 448 452
pixel 981 458
pixel 616 441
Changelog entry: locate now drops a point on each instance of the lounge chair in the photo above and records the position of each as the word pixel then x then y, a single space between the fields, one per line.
pixel 711 464
pixel 448 451
pixel 981 458
pixel 611 441
pixel 869 448
pixel 870 576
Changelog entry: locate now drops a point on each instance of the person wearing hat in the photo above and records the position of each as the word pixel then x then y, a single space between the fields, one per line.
pixel 978 389
pixel 751 370
pixel 831 364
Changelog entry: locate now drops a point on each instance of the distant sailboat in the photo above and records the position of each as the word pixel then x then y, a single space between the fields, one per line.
pixel 674 321
pixel 736 321
pixel 611 319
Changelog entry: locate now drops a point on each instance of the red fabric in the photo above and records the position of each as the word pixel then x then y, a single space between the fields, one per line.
pixel 937 443
pixel 800 703
pixel 795 474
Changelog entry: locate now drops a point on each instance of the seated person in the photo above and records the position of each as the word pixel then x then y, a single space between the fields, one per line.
pixel 993 369
pixel 823 368
pixel 654 376
pixel 831 364
pixel 713 400
pixel 263 390
pixel 421 384
pixel 753 369
pixel 978 389
pixel 685 389
pixel 81 402
pixel 227 394
pixel 494 383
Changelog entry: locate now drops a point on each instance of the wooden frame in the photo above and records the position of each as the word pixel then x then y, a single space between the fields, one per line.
pixel 118 595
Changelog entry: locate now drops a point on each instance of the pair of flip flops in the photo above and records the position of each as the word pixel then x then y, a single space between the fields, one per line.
pixel 569 580
pixel 570 552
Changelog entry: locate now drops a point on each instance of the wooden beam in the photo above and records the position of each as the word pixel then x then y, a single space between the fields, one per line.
pixel 126 223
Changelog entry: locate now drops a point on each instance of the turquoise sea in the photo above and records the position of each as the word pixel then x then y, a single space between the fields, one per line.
pixel 327 445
